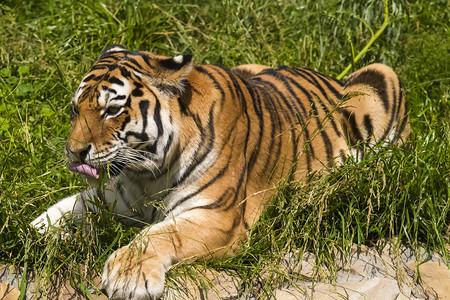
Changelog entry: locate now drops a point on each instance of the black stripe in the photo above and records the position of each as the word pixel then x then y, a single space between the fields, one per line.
pixel 105 88
pixel 269 101
pixel 292 118
pixel 134 68
pixel 145 57
pixel 143 106
pixel 368 126
pixel 326 140
pixel 240 94
pixel 279 77
pixel 233 92
pixel 166 148
pixel 310 150
pixel 216 83
pixel 258 96
pixel 117 98
pixel 200 157
pixel 275 127
pixel 394 111
pixel 343 156
pixel 326 80
pixel 134 62
pixel 404 117
pixel 220 200
pixel 128 103
pixel 115 80
pixel 152 148
pixel 325 77
pixel 353 127
pixel 100 67
pixel 89 78
pixel 404 121
pixel 375 79
pixel 156 112
pixel 124 198
pixel 124 72
pixel 184 109
pixel 328 115
pixel 157 118
pixel 125 123
pixel 313 80
pixel 325 95
pixel 209 183
pixel 399 99
pixel 236 197
pixel 256 101
pixel 203 187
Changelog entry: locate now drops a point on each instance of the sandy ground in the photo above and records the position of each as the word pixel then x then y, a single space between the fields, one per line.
pixel 367 274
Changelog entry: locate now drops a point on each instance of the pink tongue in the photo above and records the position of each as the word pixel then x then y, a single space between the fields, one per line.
pixel 84 169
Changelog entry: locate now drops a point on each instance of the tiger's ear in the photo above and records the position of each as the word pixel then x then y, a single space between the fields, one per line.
pixel 112 49
pixel 173 71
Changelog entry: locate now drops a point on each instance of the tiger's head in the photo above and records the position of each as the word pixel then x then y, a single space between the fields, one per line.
pixel 121 118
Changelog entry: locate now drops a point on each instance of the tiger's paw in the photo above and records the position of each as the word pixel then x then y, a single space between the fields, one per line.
pixel 133 274
pixel 55 215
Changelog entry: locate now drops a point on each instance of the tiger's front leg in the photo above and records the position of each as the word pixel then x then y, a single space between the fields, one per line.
pixel 137 271
pixel 55 215
pixel 73 208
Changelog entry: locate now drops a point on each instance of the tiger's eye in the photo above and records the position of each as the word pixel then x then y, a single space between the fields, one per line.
pixel 112 110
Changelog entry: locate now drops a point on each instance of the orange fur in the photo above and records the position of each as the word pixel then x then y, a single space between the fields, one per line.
pixel 235 133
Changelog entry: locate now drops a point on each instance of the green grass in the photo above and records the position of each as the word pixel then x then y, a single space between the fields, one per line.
pixel 396 194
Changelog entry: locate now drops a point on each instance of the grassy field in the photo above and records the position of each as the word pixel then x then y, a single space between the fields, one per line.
pixel 397 195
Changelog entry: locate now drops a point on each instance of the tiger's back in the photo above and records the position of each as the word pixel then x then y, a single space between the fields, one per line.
pixel 297 116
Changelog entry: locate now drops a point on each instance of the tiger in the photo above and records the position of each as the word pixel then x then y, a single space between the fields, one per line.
pixel 192 153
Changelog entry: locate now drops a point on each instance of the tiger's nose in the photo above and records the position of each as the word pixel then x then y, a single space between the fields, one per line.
pixel 80 152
